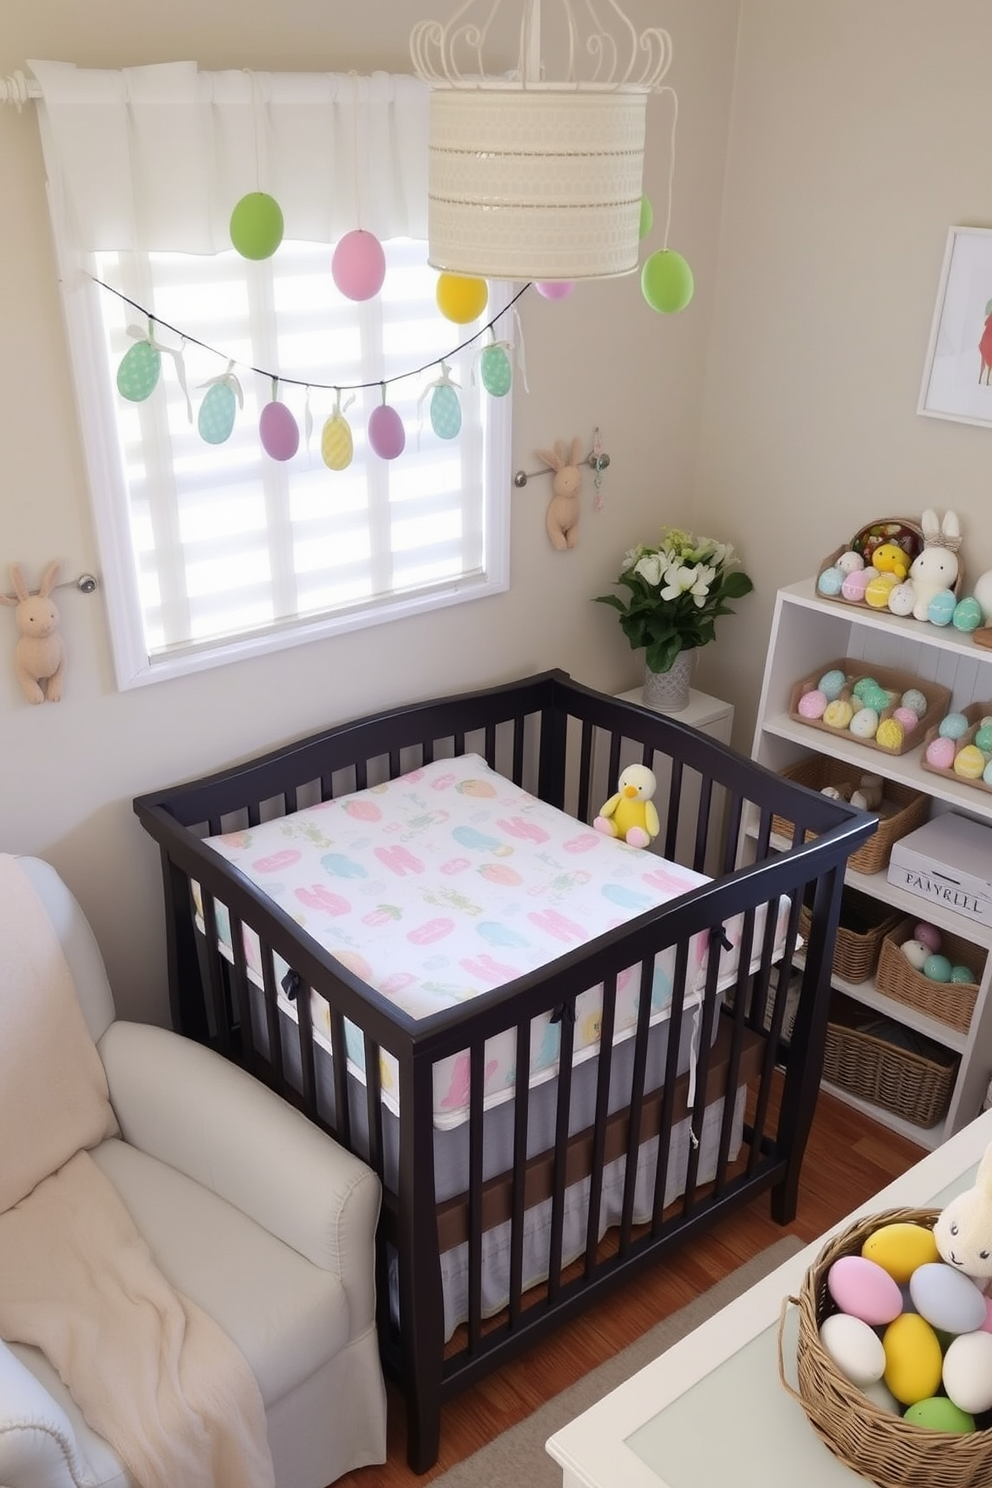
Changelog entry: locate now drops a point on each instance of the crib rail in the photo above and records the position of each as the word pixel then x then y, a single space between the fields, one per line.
pixel 619 1158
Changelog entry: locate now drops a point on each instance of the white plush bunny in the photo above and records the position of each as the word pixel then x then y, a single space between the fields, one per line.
pixel 563 509
pixel 936 567
pixel 963 1231
pixel 39 653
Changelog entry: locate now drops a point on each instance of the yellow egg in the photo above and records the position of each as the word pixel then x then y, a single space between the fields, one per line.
pixel 890 734
pixel 969 762
pixel 900 1248
pixel 838 714
pixel 336 443
pixel 913 1361
pixel 878 590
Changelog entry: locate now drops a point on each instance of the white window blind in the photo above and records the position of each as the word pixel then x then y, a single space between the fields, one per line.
pixel 213 551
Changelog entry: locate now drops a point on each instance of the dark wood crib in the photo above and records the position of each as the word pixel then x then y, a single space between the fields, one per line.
pixel 705 1138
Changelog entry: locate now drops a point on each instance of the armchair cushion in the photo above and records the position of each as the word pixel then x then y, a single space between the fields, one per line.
pixel 37 1442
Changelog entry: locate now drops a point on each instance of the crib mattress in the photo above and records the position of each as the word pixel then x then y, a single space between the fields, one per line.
pixel 450 880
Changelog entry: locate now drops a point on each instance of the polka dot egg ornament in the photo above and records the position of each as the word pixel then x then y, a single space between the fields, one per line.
pixel 138 373
pixel 218 410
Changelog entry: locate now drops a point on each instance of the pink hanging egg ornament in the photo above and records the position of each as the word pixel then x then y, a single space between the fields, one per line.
pixel 554 289
pixel 358 265
pixel 387 436
pixel 278 431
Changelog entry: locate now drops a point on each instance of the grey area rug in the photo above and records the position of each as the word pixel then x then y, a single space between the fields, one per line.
pixel 517 1458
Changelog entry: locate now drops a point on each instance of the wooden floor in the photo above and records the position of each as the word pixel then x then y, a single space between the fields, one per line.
pixel 848 1159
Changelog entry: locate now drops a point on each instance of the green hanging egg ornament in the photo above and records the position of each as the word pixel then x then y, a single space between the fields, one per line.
pixel 495 371
pixel 220 404
pixel 337 445
pixel 138 373
pixel 667 282
pixel 257 225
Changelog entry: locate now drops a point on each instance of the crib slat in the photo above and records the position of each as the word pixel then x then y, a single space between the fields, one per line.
pixel 477 1080
pixel 248 1051
pixel 521 1112
pixel 215 988
pixel 603 1075
pixel 273 1022
pixel 566 1018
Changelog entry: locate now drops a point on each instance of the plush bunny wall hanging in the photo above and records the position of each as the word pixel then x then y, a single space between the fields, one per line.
pixel 39 654
pixel 563 509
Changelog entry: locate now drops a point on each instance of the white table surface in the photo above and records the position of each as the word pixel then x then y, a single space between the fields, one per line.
pixel 727 1419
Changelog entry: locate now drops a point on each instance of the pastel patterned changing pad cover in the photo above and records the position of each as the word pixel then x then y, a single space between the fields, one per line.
pixel 448 881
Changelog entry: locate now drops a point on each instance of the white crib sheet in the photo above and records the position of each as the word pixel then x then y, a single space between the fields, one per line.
pixel 450 880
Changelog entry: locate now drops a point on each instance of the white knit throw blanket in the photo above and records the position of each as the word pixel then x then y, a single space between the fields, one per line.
pixel 152 1373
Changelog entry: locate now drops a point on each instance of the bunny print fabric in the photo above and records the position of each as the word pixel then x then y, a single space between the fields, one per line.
pixel 448 881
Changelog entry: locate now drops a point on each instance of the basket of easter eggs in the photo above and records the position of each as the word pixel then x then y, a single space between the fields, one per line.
pixel 880 707
pixel 874 571
pixel 893 1362
pixel 933 970
pixel 959 747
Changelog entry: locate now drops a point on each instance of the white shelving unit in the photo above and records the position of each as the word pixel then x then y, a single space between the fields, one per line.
pixel 807 633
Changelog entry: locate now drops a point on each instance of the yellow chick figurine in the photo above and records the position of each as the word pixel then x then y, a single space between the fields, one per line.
pixel 889 558
pixel 631 814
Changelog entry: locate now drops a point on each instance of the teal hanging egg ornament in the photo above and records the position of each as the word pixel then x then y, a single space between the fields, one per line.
pixel 445 409
pixel 219 407
pixel 495 371
pixel 138 373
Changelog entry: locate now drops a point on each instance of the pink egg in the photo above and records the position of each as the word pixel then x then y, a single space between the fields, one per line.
pixel 906 717
pixel 555 289
pixel 856 583
pixel 940 753
pixel 387 436
pixel 929 934
pixel 278 431
pixel 862 1289
pixel 358 265
pixel 812 704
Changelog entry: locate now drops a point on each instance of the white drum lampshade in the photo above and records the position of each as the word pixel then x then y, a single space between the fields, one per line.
pixel 531 178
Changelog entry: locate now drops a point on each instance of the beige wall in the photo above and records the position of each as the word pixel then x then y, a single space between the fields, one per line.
pixel 859 135
pixel 70 771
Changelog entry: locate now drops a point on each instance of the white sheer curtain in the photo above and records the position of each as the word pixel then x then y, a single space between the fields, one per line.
pixel 156 157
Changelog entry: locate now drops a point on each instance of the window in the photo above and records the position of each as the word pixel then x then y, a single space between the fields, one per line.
pixel 213 551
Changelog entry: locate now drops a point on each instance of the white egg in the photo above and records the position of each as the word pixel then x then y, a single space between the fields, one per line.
pixel 849 562
pixel 916 953
pixel 854 1347
pixel 879 1394
pixel 902 599
pixel 968 1372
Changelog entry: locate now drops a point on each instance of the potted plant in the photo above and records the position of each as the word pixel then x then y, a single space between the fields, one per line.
pixel 677 589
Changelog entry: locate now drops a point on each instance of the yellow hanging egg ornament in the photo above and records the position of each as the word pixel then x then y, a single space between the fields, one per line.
pixel 337 445
pixel 461 299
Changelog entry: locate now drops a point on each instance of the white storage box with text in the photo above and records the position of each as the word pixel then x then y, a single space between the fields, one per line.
pixel 947 861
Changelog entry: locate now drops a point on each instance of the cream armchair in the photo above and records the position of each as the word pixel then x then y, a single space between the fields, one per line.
pixel 250 1211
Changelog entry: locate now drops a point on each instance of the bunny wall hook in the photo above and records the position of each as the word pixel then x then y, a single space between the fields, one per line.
pixel 563 509
pixel 39 653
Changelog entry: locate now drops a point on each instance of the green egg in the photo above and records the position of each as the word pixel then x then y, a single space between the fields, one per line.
pixel 257 225
pixel 667 282
pixel 863 685
pixel 216 417
pixel 494 370
pixel 138 372
pixel 937 1413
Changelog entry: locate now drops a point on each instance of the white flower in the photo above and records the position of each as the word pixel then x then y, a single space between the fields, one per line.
pixel 681 579
pixel 649 568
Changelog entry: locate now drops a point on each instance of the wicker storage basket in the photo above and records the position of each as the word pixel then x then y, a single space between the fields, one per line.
pixel 864 924
pixel 951 1002
pixel 894 681
pixel 914 1083
pixel 870 1441
pixel 902 809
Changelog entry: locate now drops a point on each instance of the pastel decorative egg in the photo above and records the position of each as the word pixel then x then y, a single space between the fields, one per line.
pixel 878 1392
pixel 969 763
pixel 937 968
pixel 877 590
pixel 445 411
pixel 940 1414
pixel 901 1247
pixel 963 975
pixel 983 738
pixel 902 598
pixel 812 704
pixel 838 714
pixel 967 614
pixel 138 373
pixel 215 420
pixel 890 734
pixel 929 934
pixel 940 610
pixel 906 717
pixel 858 1351
pixel 953 726
pixel 916 953
pixel 987 774
pixel 832 683
pixel 967 1371
pixel 387 436
pixel 940 753
pixel 876 697
pixel 830 582
pixel 256 225
pixel 850 562
pixel 864 723
pixel 862 686
pixel 337 445
pixel 912 1358
pixel 279 433
pixel 863 1289
pixel 947 1298
pixel 915 699
pixel 854 585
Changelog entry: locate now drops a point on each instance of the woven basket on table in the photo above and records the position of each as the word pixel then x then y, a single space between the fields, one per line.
pixel 911 1084
pixel 857 947
pixel 903 809
pixel 871 1441
pixel 950 1002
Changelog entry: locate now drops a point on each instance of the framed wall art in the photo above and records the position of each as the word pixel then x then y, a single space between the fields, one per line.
pixel 957 374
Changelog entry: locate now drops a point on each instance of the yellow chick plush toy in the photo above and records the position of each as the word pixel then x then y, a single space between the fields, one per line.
pixel 631 814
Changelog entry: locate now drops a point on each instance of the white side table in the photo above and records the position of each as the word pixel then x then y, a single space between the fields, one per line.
pixel 714 717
